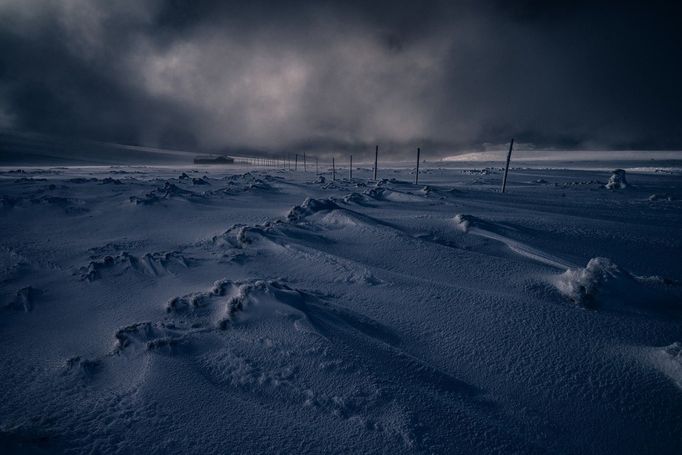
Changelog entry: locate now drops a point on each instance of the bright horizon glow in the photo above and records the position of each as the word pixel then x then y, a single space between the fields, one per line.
pixel 569 155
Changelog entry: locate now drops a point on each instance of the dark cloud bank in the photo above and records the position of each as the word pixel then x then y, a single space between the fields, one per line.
pixel 283 76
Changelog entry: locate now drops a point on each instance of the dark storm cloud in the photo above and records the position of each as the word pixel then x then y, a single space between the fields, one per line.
pixel 342 75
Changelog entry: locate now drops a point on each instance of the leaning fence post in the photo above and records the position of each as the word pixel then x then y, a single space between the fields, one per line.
pixel 350 168
pixel 333 170
pixel 506 169
pixel 376 161
pixel 416 177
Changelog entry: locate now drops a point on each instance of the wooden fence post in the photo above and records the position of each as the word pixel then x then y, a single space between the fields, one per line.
pixel 376 161
pixel 506 169
pixel 350 168
pixel 416 177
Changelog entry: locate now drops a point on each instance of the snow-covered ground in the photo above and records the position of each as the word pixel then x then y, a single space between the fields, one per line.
pixel 226 310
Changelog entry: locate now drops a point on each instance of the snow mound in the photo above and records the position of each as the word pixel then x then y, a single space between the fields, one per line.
pixel 242 183
pixel 168 191
pixel 376 193
pixel 582 285
pixel 617 180
pixel 150 264
pixel 85 368
pixel 309 207
pixel 383 182
pixel 220 305
pixel 603 283
pixel 364 199
pixel 464 222
pixel 355 198
pixel 148 336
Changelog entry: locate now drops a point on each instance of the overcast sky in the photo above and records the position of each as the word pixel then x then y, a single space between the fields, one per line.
pixel 343 75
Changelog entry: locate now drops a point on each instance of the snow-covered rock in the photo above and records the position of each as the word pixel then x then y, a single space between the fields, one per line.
pixel 617 180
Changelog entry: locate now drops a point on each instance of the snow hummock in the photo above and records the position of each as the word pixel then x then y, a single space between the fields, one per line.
pixel 617 180
pixel 463 221
pixel 582 285
pixel 309 207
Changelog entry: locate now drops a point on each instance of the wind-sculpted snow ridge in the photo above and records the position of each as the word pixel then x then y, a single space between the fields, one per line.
pixel 200 181
pixel 392 180
pixel 382 193
pixel 603 284
pixel 294 350
pixel 370 310
pixel 355 198
pixel 216 309
pixel 368 198
pixel 168 191
pixel 228 302
pixel 289 240
pixel 242 236
pixel 150 264
pixel 218 306
pixel 470 224
pixel 147 336
pixel 376 193
pixel 309 207
pixel 246 178
pixel 242 183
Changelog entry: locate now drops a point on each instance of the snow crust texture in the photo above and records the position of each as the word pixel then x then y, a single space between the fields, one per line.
pixel 229 310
